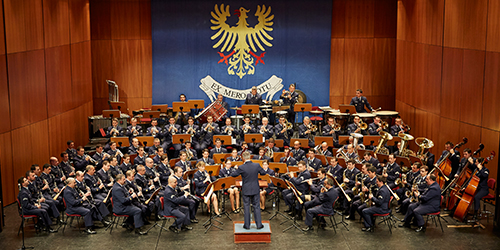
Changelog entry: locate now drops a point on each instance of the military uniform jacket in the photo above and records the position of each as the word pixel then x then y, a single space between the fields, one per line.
pixel 454 158
pixel 91 182
pixel 207 135
pixel 114 134
pixel 298 154
pixel 208 161
pixel 360 103
pixel 382 198
pixel 226 172
pixel 483 177
pixel 216 150
pixel 277 130
pixel 132 150
pixel 249 172
pixel 184 165
pixel 351 175
pixel 251 130
pixel 196 134
pixel 125 167
pixel 302 131
pixel 58 174
pixel 27 202
pixel 269 131
pixel 290 101
pixel 431 197
pixel 114 171
pixel 396 129
pixel 258 157
pixel 374 161
pixel 290 161
pixel 316 186
pixel 200 183
pixel 327 200
pixel 66 168
pixel 130 134
pixel 104 175
pixel 50 179
pixel 372 129
pixel 393 172
pixel 121 199
pixel 164 172
pixel 168 133
pixel 158 134
pixel 142 182
pixel 352 127
pixel 80 163
pixel 73 200
pixel 314 163
pixel 337 172
pixel 253 99
pixel 171 201
pixel 233 133
pixel 326 132
pixel 303 187
pixel 140 160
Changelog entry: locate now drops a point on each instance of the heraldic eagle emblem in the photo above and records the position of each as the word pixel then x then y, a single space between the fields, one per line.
pixel 240 40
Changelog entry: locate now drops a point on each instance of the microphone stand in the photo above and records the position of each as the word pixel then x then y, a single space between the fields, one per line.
pixel 22 221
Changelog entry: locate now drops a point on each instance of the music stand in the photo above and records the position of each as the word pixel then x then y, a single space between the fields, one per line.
pixel 213 170
pixel 382 158
pixel 162 108
pixel 343 139
pixel 414 159
pixel 279 185
pixel 257 161
pixel 181 107
pixel 150 114
pixel 197 104
pixel 322 158
pixel 207 194
pixel 345 108
pixel 122 106
pixel 249 109
pixel 225 139
pixel 394 141
pixel 304 142
pixel 236 163
pixel 111 113
pixel 145 140
pixel 172 162
pixel 219 158
pixel 302 107
pixel 328 139
pixel 180 138
pixel 358 166
pixel 341 162
pixel 221 184
pixel 254 138
pixel 371 140
pixel 299 200
pixel 403 161
pixel 121 141
pixel 277 156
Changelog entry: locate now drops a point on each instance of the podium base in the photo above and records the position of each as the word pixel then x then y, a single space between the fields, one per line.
pixel 252 235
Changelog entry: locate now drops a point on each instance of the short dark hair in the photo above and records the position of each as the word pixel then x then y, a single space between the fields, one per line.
pixel 432 177
pixel 33 167
pixel 367 153
pixel 371 168
pixel 21 180
pixel 45 166
pixel 381 178
pixel 322 170
pixel 69 142
pixel 467 150
pixel 63 153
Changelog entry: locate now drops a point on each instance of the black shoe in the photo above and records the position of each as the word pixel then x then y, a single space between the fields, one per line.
pixel 288 210
pixel 105 223
pixel 420 229
pixel 259 228
pixel 185 228
pixel 305 229
pixel 90 231
pixel 174 229
pixel 367 229
pixel 139 232
pixel 298 217
pixel 246 228
pixel 127 226
pixel 194 221
pixel 236 211
pixel 50 230
pixel 404 225
pixel 218 216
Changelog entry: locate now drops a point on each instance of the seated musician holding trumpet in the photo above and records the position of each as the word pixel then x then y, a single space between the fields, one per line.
pixel 114 130
pixel 201 181
pixel 169 131
pixel 266 130
pixel 399 127
pixel 153 149
pixel 287 158
pixel 234 192
pixel 301 185
pixel 133 130
pixel 154 130
pixel 208 130
pixel 325 200
pixel 377 125
pixel 307 130
pixel 270 185
pixel 364 187
pixel 229 129
pixel 247 128
pixel 99 156
pixel 284 130
pixel 194 131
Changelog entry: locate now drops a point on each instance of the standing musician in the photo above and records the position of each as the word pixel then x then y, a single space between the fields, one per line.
pixel 270 185
pixel 381 204
pixel 113 151
pixel 234 193
pixel 287 158
pixel 134 147
pixel 298 152
pixel 218 149
pixel 105 175
pixel 335 169
pixel 249 172
pixel 313 163
pixel 290 97
pixel 154 130
pixel 164 170
pixel 81 160
pixel 355 127
pixel 261 155
pixel 57 172
pixel 114 130
pixel 194 131
pixel 360 101
pixel 81 187
pixel 65 165
pixel 283 132
pixel 191 154
pixel 454 159
pixel 126 165
pixel 99 156
pixel 329 130
pixel 122 204
pixel 392 171
pixel 326 199
pixel 234 156
pixel 418 184
pixel 302 187
pixel 324 150
pixel 153 150
pixel 169 131
pixel 48 205
pixel 375 127
pixel 172 206
pixel 71 150
pixel 247 128
pixel 230 130
pixel 208 130
pixel 368 158
pixel 184 186
pixel 305 131
pixel 266 130
pixel 139 201
pixel 253 97
pixel 98 189
pixel 429 201
pixel 183 163
pixel 140 159
pixel 206 158
pixel 369 184
pixel 482 188
pixel 201 181
pixel 30 207
pixel 76 204
pixel 48 178
pixel 133 130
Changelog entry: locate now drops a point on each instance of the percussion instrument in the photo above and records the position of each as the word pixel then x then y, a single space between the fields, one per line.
pixel 215 109
pixel 237 120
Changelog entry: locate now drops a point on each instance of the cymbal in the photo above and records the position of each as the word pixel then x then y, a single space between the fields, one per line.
pixel 266 110
pixel 316 112
pixel 235 108
pixel 265 106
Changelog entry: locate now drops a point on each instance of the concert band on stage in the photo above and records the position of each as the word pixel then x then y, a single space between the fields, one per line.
pixel 170 179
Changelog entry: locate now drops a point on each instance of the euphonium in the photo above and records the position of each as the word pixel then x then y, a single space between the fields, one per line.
pixel 384 125
pixel 384 138
pixel 362 125
pixel 405 138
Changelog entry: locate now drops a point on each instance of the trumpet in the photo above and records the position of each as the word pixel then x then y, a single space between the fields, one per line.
pixel 135 132
pixel 154 131
pixel 246 127
pixel 209 128
pixel 190 130
pixel 172 129
pixel 229 130
pixel 114 131
pixel 90 158
pixel 263 129
pixel 189 154
pixel 119 153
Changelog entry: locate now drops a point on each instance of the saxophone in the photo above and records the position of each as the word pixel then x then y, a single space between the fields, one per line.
pixel 343 178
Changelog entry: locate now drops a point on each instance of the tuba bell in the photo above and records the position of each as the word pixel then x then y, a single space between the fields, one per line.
pixel 384 138
pixel 357 137
pixel 405 138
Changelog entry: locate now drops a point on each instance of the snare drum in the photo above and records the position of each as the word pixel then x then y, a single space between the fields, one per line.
pixel 237 120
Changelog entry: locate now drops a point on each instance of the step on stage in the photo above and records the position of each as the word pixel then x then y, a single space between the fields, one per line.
pixel 252 235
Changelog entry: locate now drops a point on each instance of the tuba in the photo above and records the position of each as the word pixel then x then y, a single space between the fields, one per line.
pixel 384 138
pixel 423 144
pixel 405 138
pixel 355 143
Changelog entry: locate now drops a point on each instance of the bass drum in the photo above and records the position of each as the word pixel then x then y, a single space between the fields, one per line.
pixel 302 97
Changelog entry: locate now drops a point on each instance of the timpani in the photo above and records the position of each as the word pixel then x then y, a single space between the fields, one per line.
pixel 388 116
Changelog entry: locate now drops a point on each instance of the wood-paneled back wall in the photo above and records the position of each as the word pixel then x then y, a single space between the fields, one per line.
pixel 447 71
pixel 122 51
pixel 45 83
pixel 363 51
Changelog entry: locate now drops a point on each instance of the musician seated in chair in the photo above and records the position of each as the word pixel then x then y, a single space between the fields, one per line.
pixel 172 207
pixel 355 127
pixel 201 181
pixel 335 169
pixel 206 158
pixel 194 131
pixel 65 165
pixel 114 151
pixel 97 187
pixel 298 152
pixel 153 149
pixel 48 179
pixel 429 201
pixel 234 192
pixel 126 165
pixel 49 205
pixel 218 149
pixel 329 130
pixel 266 130
pixel 315 185
pixel 283 132
pixel 358 203
pixel 114 169
pixel 146 184
pixel 234 156
pixel 184 186
pixel 271 148
pixel 134 148
pixel 157 158
pixel 81 160
pixel 105 175
pixel 229 129
pixel 168 133
pixel 122 204
pixel 247 128
pixel 270 185
pixel 183 163
pixel 380 204
pixel 356 186
pixel 208 130
pixel 99 156
pixel 326 198
pixel 376 126
pixel 133 130
pixel 180 117
pixel 83 188
pixel 140 200
pixel 289 160
pixel 482 187
pixel 313 163
pixel 190 152
pixel 301 185
pixel 164 170
pixel 368 158
pixel 114 130
pixel 76 204
pixel 140 159
pixel 262 155
pixel 29 207
pixel 306 130
pixel 324 150
pixel 417 183
pixel 391 171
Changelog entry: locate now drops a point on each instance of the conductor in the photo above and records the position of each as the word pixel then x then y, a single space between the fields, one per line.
pixel 249 172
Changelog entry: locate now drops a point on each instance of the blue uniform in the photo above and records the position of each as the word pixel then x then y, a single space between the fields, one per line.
pixel 381 200
pixel 428 202
pixel 122 204
pixel 29 208
pixel 326 199
pixel 76 205
pixel 360 103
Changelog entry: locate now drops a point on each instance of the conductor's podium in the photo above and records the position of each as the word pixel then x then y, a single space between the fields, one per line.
pixel 252 235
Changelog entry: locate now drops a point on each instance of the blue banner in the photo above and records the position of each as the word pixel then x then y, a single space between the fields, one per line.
pixel 202 48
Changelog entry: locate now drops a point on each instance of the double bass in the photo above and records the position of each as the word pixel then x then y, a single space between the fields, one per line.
pixel 444 166
pixel 468 194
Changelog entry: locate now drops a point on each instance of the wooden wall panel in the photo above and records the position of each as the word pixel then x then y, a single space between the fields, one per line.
pixel 493 26
pixel 337 67
pixel 35 85
pixel 21 152
pixel 450 131
pixel 15 28
pixel 147 68
pixel 4 96
pixel 127 67
pixel 56 22
pixel 81 73
pixel 8 177
pixel 358 65
pixel 102 67
pixel 473 134
pixel 125 20
pixel 100 19
pixel 34 24
pixel 39 143
pixel 58 79
pixel 475 24
pixel 384 67
pixel 145 19
pixel 360 17
pixel 490 140
pixel 384 20
pixel 472 87
pixel 426 125
pixel 454 23
pixel 432 25
pixel 79 20
pixel 338 18
pixel 490 112
pixel 19 100
pixel 452 81
pixel 431 91
pixel 2 33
